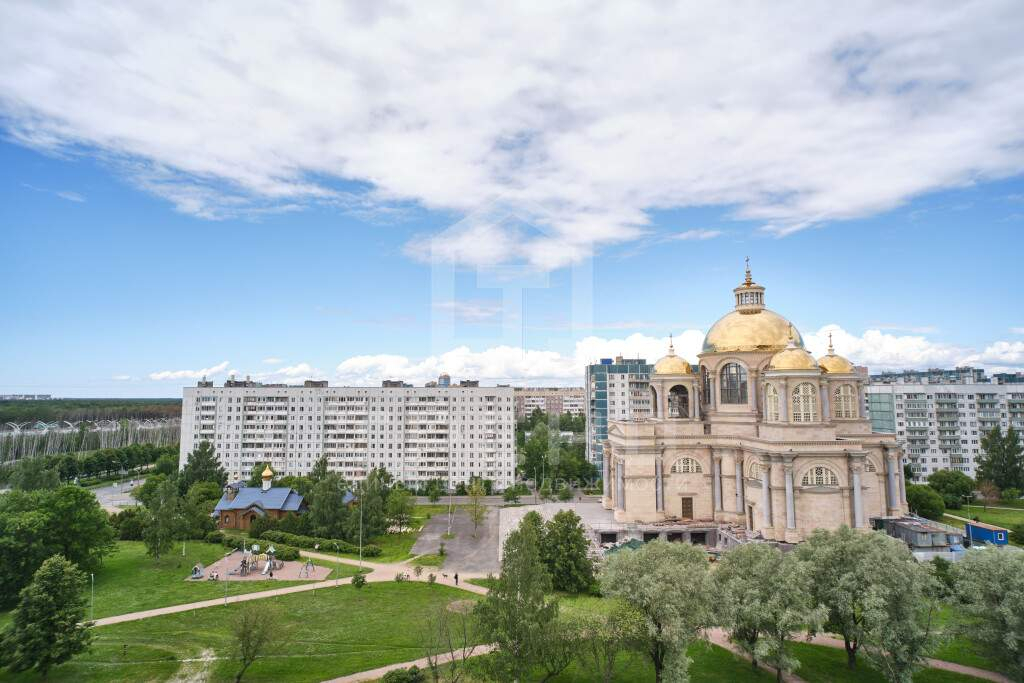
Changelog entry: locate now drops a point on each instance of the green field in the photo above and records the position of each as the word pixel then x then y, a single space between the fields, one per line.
pixel 819 663
pixel 330 633
pixel 395 547
pixel 131 581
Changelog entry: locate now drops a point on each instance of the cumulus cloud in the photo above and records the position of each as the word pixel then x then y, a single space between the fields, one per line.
pixel 696 235
pixel 1001 353
pixel 272 360
pixel 794 114
pixel 217 369
pixel 121 378
pixel 879 350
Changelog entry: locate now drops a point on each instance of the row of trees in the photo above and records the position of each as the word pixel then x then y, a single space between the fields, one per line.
pixel 544 455
pixel 865 587
pixel 565 422
pixel 67 467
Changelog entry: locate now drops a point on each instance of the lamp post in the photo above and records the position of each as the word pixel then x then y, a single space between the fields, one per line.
pixel 361 528
pixel 337 575
pixel 92 596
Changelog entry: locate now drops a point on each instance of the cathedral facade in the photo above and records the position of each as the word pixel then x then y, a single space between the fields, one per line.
pixel 759 434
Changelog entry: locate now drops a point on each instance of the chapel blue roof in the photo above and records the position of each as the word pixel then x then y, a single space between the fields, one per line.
pixel 274 498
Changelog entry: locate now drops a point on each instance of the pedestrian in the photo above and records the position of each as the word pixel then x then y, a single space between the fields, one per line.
pixel 456 579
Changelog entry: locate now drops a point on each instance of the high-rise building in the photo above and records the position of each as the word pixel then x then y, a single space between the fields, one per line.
pixel 551 400
pixel 416 433
pixel 616 389
pixel 940 416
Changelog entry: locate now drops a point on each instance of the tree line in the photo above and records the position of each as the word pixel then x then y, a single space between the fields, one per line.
pixel 75 409
pixel 67 467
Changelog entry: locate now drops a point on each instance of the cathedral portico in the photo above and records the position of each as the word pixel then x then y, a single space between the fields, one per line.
pixel 758 434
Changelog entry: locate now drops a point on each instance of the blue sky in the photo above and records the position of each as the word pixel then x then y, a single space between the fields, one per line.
pixel 327 217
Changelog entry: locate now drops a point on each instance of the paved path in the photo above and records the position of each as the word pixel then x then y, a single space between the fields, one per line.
pixel 374 674
pixel 469 551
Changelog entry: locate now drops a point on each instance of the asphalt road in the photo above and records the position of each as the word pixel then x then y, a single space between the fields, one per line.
pixel 464 552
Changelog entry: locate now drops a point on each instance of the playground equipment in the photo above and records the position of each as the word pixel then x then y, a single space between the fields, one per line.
pixel 197 571
pixel 307 570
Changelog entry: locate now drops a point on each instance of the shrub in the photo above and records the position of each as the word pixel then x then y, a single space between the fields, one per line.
pixel 261 525
pixel 410 675
pixel 441 551
pixel 400 577
pixel 1017 534
pixel 215 537
pixel 359 580
pixel 326 544
pixel 417 570
pixel 1010 494
pixel 129 524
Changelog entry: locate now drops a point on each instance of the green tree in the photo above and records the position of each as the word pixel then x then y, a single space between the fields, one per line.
pixel 202 465
pixel 47 627
pixel 1002 461
pixel 371 496
pixel 79 528
pixel 254 631
pixel 564 493
pixel 925 501
pixel 328 513
pixel 545 490
pixel 565 551
pixel 166 465
pixel 145 492
pixel 25 542
pixel 511 494
pixel 33 474
pixel 165 521
pixel 954 487
pixel 516 614
pixel 604 635
pixel 399 508
pixel 477 509
pixel 434 489
pixel 990 586
pixel 674 596
pixel 319 470
pixel 764 598
pixel 256 476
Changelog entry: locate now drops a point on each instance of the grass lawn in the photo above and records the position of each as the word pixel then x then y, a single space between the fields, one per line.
pixel 334 632
pixel 1006 518
pixel 397 547
pixel 821 663
pixel 429 561
pixel 486 583
pixel 130 580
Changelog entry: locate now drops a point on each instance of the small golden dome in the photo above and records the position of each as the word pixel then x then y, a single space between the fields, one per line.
pixel 837 365
pixel 672 364
pixel 792 357
pixel 267 472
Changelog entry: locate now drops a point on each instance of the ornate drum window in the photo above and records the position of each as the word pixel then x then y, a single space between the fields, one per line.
pixel 686 466
pixel 734 384
pixel 844 402
pixel 705 387
pixel 678 402
pixel 771 403
pixel 820 476
pixel 805 403
pixel 655 408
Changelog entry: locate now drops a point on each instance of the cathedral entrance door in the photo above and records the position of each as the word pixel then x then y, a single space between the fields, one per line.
pixel 750 517
pixel 687 508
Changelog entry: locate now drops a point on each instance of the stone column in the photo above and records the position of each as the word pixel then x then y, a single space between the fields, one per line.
pixel 739 483
pixel 790 501
pixel 620 486
pixel 858 501
pixel 826 402
pixel 893 486
pixel 766 493
pixel 659 485
pixel 752 390
pixel 694 400
pixel 716 482
pixel 860 401
pixel 902 480
pixel 784 400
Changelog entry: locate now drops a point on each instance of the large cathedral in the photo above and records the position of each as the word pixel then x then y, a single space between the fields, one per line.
pixel 759 434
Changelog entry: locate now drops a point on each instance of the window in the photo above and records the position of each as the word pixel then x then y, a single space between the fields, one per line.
pixel 734 384
pixel 869 466
pixel 705 383
pixel 820 476
pixel 771 407
pixel 805 403
pixel 844 402
pixel 686 466
pixel 678 402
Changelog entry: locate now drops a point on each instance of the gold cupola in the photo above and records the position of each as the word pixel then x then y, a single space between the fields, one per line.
pixel 672 364
pixel 792 357
pixel 750 327
pixel 837 365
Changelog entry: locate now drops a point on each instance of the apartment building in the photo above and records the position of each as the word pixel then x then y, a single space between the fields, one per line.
pixel 940 416
pixel 551 400
pixel 416 433
pixel 616 389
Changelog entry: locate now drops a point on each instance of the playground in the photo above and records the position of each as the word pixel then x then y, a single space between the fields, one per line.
pixel 257 566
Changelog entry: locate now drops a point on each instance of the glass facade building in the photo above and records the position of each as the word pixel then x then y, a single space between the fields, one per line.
pixel 617 389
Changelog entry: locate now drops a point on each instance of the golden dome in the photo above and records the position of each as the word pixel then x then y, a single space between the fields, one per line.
pixel 764 330
pixel 267 472
pixel 672 364
pixel 837 365
pixel 792 358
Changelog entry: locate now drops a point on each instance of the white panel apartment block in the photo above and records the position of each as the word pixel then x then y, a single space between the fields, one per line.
pixel 416 433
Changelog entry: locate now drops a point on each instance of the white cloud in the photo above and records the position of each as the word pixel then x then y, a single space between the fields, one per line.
pixel 696 235
pixel 1017 330
pixel 470 311
pixel 794 114
pixel 1001 353
pixel 63 194
pixel 272 360
pixel 121 378
pixel 880 350
pixel 217 369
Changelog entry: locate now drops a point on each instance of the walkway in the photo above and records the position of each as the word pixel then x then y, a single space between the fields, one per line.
pixel 379 572
pixel 374 674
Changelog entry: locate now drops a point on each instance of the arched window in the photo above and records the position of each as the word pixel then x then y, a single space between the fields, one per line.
pixel 705 384
pixel 869 466
pixel 734 384
pixel 678 402
pixel 771 403
pixel 754 470
pixel 686 466
pixel 820 476
pixel 655 407
pixel 805 403
pixel 844 402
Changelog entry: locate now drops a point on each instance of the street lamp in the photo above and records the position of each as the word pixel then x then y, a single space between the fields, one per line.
pixel 92 596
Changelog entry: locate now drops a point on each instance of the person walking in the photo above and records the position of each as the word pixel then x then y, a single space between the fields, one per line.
pixel 456 579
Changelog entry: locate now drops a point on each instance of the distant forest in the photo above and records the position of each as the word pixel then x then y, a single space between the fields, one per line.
pixel 73 409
